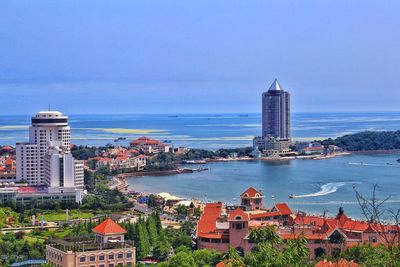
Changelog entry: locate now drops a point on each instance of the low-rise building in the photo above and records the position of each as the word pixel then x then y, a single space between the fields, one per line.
pixel 149 146
pixel 272 146
pixel 41 194
pixel 107 249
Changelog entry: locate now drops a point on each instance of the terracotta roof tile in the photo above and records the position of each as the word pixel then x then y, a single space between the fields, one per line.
pixel 251 192
pixel 109 227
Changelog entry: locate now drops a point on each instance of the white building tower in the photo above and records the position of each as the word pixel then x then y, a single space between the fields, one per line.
pixel 60 167
pixel 46 126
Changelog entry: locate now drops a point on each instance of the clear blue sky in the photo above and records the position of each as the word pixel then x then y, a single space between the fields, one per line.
pixel 96 56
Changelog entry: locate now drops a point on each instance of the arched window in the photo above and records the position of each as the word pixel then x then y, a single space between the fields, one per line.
pixel 238 218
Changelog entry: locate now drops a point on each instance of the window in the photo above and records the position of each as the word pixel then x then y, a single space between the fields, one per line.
pixel 111 256
pixel 101 257
pixel 82 259
pixel 372 239
pixel 110 265
pixel 129 255
pixel 92 258
pixel 239 226
pixel 120 256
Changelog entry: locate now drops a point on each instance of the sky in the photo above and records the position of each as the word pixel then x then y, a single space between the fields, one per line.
pixel 125 56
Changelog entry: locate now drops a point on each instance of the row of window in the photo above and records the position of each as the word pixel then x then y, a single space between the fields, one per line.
pixel 101 257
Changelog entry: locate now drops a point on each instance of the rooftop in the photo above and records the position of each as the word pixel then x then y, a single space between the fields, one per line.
pixel 86 244
pixel 109 227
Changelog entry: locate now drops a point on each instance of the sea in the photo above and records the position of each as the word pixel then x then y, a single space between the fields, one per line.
pixel 318 185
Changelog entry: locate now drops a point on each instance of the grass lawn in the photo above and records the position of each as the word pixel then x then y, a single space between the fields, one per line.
pixel 52 216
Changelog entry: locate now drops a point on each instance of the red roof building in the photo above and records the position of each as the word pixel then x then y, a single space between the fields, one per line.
pixel 149 146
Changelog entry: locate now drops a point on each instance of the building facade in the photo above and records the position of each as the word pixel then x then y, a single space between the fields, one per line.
pixel 276 112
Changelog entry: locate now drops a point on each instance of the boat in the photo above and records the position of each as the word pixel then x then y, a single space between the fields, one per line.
pixel 119 139
pixel 291 196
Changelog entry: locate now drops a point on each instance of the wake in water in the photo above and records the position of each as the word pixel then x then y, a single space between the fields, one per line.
pixel 326 189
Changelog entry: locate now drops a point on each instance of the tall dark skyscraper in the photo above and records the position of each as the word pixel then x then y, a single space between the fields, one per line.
pixel 276 112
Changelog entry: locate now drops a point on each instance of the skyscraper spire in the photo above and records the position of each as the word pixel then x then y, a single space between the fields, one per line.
pixel 275 86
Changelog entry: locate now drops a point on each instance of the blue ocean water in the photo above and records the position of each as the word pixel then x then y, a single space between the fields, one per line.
pixel 211 131
pixel 317 184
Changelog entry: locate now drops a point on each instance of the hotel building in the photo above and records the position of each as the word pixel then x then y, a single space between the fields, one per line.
pixel 107 249
pixel 46 126
pixel 275 137
pixel 45 163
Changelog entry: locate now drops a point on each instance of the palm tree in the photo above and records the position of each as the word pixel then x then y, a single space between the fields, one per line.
pixel 232 258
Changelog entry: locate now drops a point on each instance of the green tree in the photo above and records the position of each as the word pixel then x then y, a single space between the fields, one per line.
pixel 204 257
pixel 233 258
pixel 182 259
pixel 152 230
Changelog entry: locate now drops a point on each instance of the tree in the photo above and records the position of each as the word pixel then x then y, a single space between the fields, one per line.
pixel 161 250
pixel 143 243
pixel 152 229
pixel 233 258
pixel 182 259
pixel 377 215
pixel 204 257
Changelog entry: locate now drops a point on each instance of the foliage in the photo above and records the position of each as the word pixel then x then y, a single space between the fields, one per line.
pixel 206 257
pixel 367 140
pixel 233 258
pixel 271 251
pixel 182 259
pixel 17 249
pixel 372 256
pixel 83 152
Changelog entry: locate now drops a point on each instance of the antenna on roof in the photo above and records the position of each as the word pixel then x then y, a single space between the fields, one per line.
pixel 48 107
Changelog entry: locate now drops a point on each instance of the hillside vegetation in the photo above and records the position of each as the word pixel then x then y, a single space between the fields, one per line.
pixel 367 140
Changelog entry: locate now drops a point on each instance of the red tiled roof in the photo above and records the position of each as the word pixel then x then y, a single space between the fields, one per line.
pixel 6 148
pixel 109 227
pixel 265 214
pixel 9 161
pixel 251 192
pixel 283 208
pixel 208 221
pixel 2 168
pixel 340 263
pixel 238 214
pixel 142 157
pixel 307 236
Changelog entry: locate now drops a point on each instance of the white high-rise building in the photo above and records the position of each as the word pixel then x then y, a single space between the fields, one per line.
pixel 47 126
pixel 61 169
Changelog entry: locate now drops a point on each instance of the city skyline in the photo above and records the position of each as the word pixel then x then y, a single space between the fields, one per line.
pixel 217 57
